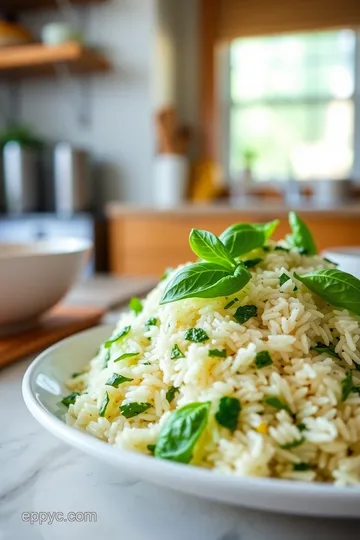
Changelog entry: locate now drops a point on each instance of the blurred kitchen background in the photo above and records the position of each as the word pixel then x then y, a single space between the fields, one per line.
pixel 131 121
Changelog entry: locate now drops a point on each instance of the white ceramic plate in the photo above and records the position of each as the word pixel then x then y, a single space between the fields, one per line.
pixel 43 386
pixel 348 259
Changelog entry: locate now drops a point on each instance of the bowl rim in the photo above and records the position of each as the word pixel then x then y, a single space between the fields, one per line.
pixel 64 245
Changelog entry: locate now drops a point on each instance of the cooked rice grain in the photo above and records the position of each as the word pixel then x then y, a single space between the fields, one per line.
pixel 288 324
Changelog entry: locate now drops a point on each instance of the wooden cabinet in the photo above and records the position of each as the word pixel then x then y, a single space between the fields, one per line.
pixel 144 242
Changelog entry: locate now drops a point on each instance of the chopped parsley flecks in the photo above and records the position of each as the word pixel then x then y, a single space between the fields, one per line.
pixel 153 321
pixel 70 399
pixel 231 303
pixel 126 355
pixel 329 261
pixel 301 427
pixel 176 353
pixel 77 374
pixel 263 359
pixel 135 305
pixel 347 386
pixel 124 332
pixel 244 313
pixel 197 335
pixel 282 248
pixel 106 359
pixel 284 278
pixel 218 353
pixel 228 412
pixel 252 262
pixel 104 404
pixel 277 404
pixel 293 444
pixel 170 394
pixel 302 467
pixel 327 349
pixel 133 409
pixel 116 379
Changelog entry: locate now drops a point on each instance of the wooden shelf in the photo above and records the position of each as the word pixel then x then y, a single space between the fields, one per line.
pixel 20 5
pixel 39 60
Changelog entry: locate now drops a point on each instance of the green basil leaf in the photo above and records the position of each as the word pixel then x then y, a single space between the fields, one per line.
pixel 217 353
pixel 124 332
pixel 133 409
pixel 321 348
pixel 116 379
pixel 207 246
pixel 104 404
pixel 293 444
pixel 126 355
pixel 244 313
pixel 197 335
pixel 277 404
pixel 170 394
pixel 267 228
pixel 263 359
pixel 302 467
pixel 205 280
pixel 301 236
pixel 338 288
pixel 135 305
pixel 242 238
pixel 179 435
pixel 176 353
pixel 252 262
pixel 231 303
pixel 70 399
pixel 228 412
pixel 151 448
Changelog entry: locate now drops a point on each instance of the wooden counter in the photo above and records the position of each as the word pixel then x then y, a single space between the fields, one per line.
pixel 144 241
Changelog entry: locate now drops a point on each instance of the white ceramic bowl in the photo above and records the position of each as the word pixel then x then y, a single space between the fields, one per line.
pixel 348 259
pixel 35 276
pixel 43 388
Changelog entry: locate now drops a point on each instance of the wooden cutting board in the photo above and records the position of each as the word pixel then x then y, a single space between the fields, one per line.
pixel 60 322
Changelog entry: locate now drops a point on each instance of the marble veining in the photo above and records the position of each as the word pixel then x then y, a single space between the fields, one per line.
pixel 38 473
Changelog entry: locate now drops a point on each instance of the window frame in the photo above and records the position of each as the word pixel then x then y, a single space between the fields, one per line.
pixel 226 104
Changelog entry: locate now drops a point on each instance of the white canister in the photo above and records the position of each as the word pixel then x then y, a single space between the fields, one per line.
pixel 171 174
pixel 58 33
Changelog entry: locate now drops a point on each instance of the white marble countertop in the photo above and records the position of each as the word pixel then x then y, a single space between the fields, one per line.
pixel 38 473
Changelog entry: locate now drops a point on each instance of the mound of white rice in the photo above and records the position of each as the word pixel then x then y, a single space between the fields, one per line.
pixel 315 438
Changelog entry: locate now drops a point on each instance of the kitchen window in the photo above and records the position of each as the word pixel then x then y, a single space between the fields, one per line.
pixel 289 106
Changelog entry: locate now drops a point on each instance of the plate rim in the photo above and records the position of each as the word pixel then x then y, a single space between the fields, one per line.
pixel 167 469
